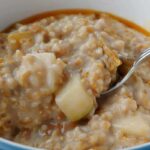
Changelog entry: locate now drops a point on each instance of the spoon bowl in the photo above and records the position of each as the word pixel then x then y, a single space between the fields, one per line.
pixel 144 55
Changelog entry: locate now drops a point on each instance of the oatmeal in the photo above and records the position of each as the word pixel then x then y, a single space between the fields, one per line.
pixel 52 74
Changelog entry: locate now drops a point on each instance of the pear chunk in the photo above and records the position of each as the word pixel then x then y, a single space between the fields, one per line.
pixel 40 71
pixel 133 125
pixel 74 101
pixel 15 39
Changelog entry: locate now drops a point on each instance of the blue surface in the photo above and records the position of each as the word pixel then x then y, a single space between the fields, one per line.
pixel 8 145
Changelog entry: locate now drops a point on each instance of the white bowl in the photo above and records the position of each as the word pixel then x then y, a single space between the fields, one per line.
pixel 13 10
pixel 134 10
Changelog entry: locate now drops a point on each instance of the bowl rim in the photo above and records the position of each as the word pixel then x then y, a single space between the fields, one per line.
pixel 14 145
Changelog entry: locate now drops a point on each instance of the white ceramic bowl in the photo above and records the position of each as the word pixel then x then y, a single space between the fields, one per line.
pixel 137 11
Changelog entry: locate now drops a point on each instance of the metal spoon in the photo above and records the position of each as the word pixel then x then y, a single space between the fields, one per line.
pixel 145 54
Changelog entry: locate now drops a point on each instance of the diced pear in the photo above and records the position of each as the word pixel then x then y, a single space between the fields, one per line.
pixel 74 101
pixel 19 35
pixel 133 125
pixel 40 70
pixel 15 38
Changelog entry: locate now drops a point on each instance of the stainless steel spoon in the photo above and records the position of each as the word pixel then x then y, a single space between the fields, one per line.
pixel 145 54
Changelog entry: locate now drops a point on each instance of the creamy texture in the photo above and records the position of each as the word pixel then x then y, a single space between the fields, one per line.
pixel 37 61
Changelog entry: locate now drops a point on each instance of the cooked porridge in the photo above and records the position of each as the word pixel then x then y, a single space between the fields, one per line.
pixel 52 73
